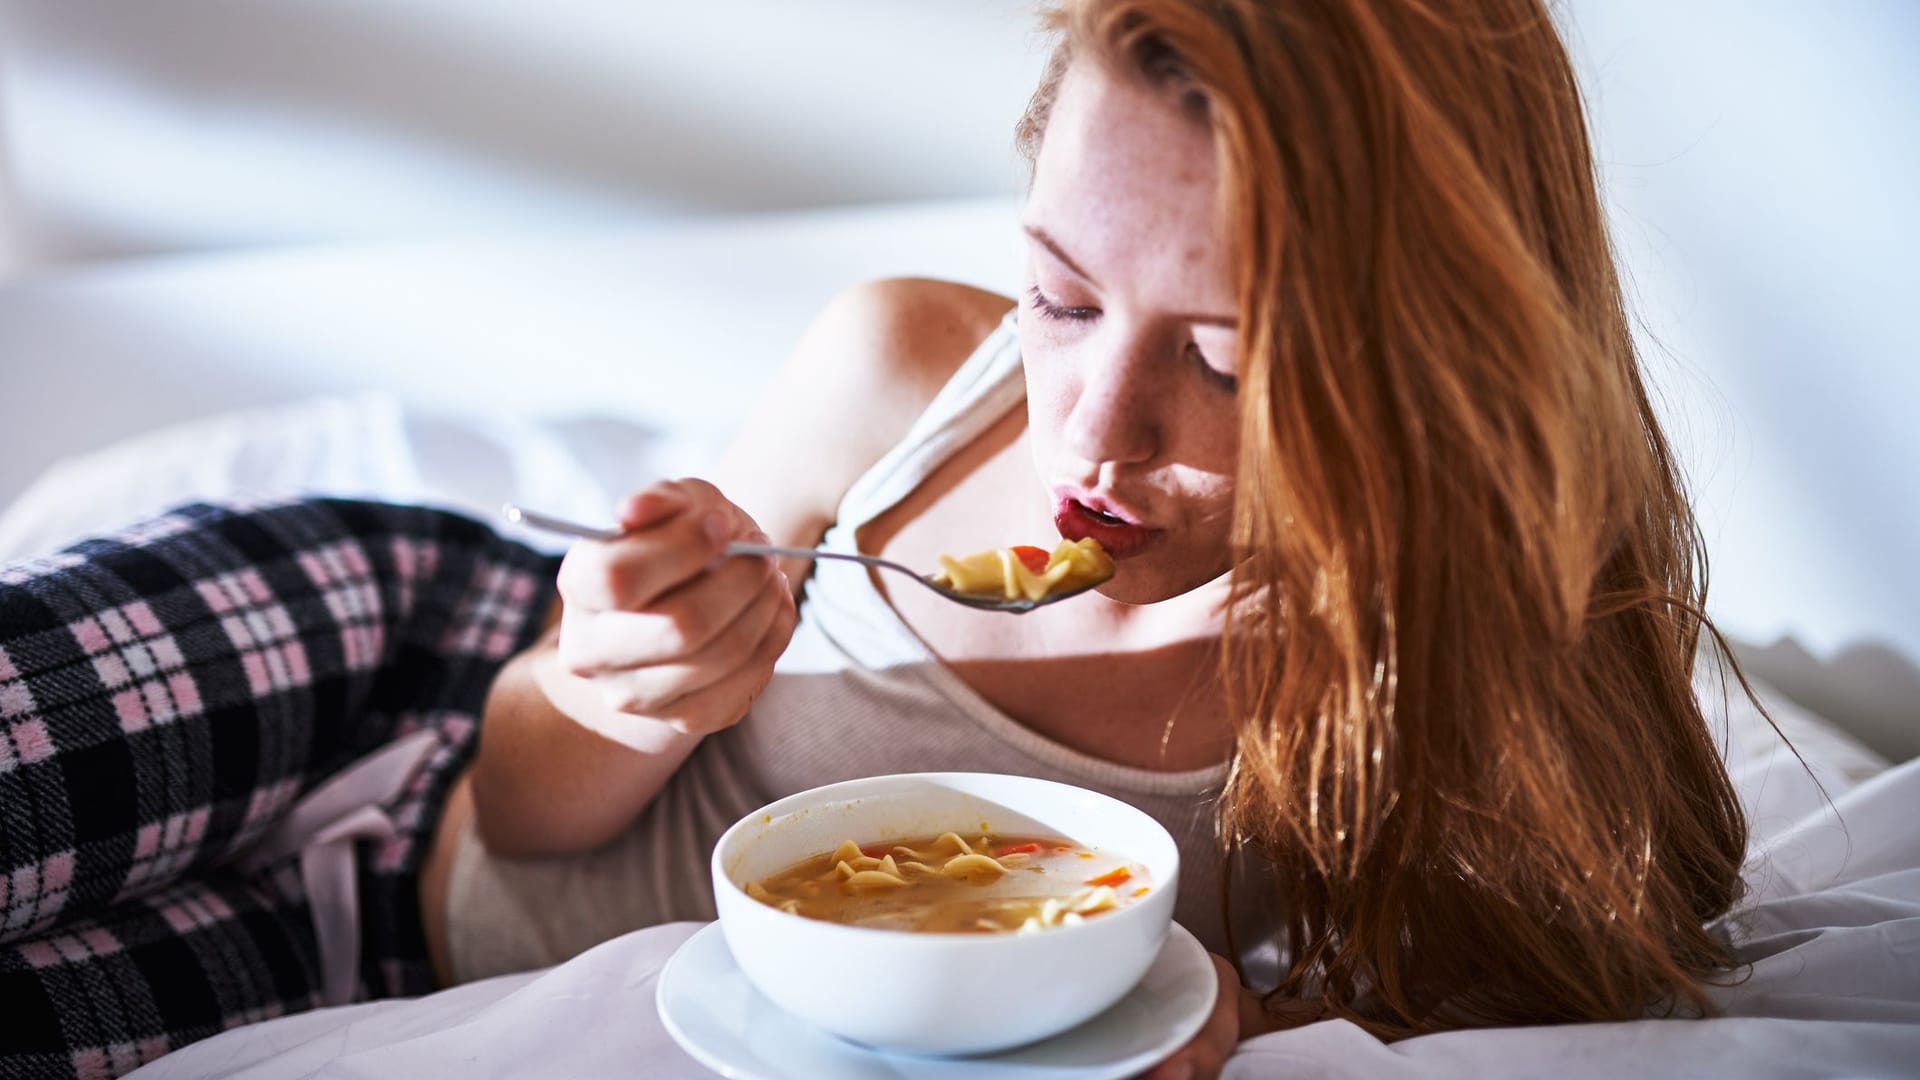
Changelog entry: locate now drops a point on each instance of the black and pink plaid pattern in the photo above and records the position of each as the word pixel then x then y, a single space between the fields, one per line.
pixel 166 695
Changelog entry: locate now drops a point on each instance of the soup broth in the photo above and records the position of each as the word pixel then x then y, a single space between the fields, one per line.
pixel 949 884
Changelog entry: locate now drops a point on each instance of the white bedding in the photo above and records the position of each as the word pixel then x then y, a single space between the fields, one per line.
pixel 368 445
pixel 1832 930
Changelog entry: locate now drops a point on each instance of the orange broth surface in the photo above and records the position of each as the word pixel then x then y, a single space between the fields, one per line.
pixel 950 884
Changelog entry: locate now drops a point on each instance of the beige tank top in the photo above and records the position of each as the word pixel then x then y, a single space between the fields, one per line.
pixel 857 693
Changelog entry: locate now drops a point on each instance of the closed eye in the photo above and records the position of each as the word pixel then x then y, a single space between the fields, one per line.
pixel 1224 380
pixel 1047 309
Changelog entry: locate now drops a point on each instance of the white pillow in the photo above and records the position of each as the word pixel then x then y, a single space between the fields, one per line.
pixel 365 446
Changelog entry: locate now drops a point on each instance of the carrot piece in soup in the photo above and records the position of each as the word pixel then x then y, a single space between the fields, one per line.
pixel 1035 558
pixel 1112 877
pixel 1018 849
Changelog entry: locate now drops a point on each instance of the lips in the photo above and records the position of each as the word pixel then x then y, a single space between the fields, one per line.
pixel 1121 537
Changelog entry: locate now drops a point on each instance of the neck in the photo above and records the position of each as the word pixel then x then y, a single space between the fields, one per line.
pixel 1197 615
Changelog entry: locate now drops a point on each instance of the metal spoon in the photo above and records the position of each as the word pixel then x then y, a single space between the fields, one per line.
pixel 1018 606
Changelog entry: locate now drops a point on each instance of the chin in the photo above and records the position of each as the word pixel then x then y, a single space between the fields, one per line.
pixel 1132 593
pixel 1143 585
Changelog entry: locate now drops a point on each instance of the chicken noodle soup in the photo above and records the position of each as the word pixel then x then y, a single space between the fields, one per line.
pixel 949 884
pixel 1024 572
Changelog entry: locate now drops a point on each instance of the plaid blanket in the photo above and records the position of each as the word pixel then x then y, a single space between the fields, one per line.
pixel 166 695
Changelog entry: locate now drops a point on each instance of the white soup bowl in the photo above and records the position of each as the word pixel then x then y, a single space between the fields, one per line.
pixel 944 994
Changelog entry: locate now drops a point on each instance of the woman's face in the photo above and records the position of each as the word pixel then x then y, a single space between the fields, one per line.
pixel 1128 334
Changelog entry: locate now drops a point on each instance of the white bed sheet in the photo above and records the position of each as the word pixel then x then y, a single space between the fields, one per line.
pixel 1832 930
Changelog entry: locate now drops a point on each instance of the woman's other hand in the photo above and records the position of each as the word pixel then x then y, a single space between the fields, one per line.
pixel 1236 1014
pixel 665 627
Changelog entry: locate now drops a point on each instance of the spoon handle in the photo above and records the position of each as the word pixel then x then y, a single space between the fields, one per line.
pixel 520 515
pixel 549 523
pixel 742 548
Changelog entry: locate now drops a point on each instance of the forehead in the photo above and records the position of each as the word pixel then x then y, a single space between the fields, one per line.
pixel 1127 184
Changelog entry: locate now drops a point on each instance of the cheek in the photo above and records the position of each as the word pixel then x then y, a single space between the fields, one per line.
pixel 1209 460
pixel 1218 451
pixel 1203 437
pixel 1050 387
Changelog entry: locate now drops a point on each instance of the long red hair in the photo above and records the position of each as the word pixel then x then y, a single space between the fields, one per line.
pixel 1470 586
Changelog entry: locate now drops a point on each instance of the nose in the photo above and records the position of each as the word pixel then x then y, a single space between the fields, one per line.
pixel 1116 413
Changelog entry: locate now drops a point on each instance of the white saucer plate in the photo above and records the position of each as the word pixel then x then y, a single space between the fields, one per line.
pixel 717 1016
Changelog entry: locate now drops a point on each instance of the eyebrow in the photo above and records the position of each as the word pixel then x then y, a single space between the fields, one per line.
pixel 1041 237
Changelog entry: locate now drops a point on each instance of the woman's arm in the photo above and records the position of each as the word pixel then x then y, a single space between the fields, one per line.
pixel 584 729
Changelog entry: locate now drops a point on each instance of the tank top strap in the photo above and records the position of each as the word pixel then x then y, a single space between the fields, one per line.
pixel 987 384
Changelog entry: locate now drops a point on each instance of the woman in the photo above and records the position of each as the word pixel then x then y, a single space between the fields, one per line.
pixel 1323 341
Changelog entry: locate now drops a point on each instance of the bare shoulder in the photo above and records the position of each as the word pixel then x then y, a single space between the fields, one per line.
pixel 905 337
pixel 865 369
